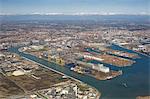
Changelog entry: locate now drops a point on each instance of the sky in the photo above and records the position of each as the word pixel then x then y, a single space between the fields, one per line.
pixel 74 6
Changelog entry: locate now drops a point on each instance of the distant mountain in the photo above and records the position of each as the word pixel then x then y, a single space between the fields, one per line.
pixel 75 17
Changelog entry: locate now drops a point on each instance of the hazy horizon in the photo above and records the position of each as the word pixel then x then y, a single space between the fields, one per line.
pixel 75 7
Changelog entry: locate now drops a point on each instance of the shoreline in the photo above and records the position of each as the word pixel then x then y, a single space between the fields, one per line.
pixel 91 75
pixel 120 49
pixel 132 50
pixel 99 93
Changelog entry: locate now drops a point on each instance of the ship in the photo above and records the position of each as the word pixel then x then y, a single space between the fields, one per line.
pixel 125 85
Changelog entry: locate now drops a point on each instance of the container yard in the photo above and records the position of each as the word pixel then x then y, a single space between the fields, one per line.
pixel 121 53
pixel 117 61
pixel 106 58
pixel 98 71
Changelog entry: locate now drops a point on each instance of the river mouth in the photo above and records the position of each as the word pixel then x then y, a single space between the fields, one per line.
pixel 134 81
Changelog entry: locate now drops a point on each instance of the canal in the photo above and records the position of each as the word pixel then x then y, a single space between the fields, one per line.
pixel 136 77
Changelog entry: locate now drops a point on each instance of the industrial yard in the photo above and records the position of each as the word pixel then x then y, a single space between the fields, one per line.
pixel 21 78
pixel 121 53
pixel 8 88
pixel 117 61
pixel 39 79
pixel 98 71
